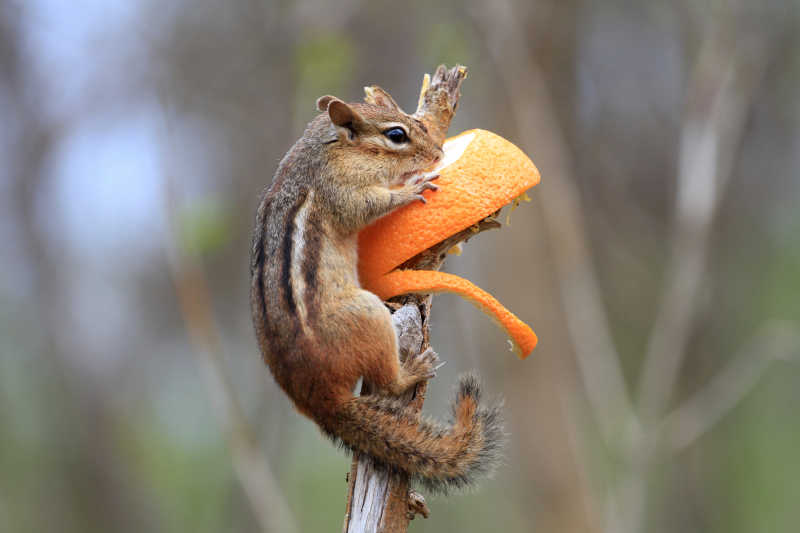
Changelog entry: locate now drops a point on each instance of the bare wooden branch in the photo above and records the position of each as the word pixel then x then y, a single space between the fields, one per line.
pixel 438 100
pixel 377 497
pixel 380 500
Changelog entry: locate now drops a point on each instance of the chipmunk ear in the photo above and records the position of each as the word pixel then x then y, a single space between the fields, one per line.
pixel 324 101
pixel 341 114
pixel 376 96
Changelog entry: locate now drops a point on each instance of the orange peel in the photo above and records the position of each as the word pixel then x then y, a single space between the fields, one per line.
pixel 480 173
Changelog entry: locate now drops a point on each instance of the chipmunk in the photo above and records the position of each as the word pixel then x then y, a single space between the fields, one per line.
pixel 318 330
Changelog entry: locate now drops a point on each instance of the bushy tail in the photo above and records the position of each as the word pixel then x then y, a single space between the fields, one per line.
pixel 439 457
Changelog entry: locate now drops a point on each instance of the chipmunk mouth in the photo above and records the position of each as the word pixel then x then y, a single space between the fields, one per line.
pixel 453 149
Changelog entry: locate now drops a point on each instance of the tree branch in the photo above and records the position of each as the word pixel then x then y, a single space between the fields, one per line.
pixel 379 500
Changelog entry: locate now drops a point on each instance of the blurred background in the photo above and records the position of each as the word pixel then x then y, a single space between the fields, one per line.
pixel 659 261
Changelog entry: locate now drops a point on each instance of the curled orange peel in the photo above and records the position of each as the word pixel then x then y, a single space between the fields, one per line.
pixel 480 173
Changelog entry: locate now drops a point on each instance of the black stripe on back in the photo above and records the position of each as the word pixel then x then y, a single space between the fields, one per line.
pixel 310 266
pixel 257 255
pixel 265 329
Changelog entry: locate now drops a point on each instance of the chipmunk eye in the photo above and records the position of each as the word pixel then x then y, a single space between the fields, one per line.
pixel 396 135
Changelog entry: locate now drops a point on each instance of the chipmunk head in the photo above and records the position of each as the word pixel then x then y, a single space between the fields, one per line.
pixel 377 139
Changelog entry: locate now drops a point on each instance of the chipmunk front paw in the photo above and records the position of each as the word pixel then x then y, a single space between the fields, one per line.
pixel 418 184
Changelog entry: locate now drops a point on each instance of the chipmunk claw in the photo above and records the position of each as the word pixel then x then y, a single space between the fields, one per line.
pixel 423 365
pixel 423 178
pixel 422 183
pixel 431 358
pixel 417 505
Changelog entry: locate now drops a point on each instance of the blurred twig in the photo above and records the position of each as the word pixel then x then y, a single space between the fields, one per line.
pixel 587 323
pixel 539 128
pixel 725 78
pixel 720 94
pixel 252 469
pixel 774 341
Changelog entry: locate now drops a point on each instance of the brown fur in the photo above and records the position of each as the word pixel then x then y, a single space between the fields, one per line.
pixel 439 457
pixel 318 331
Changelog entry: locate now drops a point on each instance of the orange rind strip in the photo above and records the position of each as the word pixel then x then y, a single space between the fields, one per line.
pixel 429 281
pixel 480 173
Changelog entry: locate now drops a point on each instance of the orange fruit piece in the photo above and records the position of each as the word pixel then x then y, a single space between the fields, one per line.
pixel 480 173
